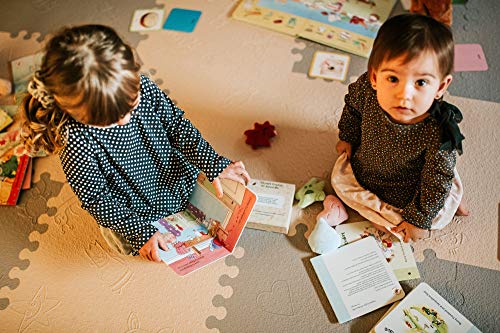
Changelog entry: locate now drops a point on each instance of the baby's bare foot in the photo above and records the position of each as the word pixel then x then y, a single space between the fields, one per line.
pixel 462 211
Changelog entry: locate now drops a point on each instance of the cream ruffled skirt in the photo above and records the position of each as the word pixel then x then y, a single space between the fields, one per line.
pixel 368 205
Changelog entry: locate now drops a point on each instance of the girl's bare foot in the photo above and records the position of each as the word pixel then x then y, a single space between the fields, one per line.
pixel 461 210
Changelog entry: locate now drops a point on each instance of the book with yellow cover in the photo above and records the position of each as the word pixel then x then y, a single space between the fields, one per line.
pixel 350 26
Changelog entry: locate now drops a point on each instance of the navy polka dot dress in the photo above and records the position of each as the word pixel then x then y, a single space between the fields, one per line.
pixel 128 176
pixel 402 164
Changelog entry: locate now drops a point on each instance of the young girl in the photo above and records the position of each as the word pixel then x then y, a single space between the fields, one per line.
pixel 127 151
pixel 400 137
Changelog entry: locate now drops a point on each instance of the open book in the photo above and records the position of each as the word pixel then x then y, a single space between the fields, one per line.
pixel 273 210
pixel 424 310
pixel 346 25
pixel 208 229
pixel 357 279
pixel 398 254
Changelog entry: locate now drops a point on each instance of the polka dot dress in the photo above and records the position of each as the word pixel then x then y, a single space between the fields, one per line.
pixel 401 164
pixel 128 176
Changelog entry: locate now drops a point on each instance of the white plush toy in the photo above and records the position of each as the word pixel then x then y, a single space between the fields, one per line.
pixel 324 238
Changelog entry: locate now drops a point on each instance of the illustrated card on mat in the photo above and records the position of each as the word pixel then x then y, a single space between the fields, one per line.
pixel 357 279
pixel 208 229
pixel 424 310
pixel 330 66
pixel 273 210
pixel 146 20
pixel 398 254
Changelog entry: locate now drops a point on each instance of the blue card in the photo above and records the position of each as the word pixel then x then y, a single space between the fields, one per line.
pixel 182 20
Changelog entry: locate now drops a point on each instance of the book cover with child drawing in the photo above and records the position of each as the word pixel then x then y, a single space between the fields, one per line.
pixel 424 310
pixel 350 26
pixel 208 229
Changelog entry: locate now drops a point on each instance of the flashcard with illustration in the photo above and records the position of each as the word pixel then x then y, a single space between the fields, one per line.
pixel 329 65
pixel 147 20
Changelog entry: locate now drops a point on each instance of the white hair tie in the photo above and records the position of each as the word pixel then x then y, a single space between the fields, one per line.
pixel 37 89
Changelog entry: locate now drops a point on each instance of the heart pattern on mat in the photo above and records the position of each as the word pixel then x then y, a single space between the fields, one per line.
pixel 278 300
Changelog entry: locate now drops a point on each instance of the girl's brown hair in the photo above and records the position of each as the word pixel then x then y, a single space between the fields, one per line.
pixel 90 63
pixel 411 35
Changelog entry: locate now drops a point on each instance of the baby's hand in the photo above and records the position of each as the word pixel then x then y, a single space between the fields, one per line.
pixel 235 171
pixel 149 251
pixel 343 146
pixel 411 232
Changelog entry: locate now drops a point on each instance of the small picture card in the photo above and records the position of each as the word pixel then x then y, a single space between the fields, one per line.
pixel 184 20
pixel 330 66
pixel 469 58
pixel 147 20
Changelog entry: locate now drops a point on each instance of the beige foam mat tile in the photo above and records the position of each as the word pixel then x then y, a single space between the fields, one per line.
pixel 75 283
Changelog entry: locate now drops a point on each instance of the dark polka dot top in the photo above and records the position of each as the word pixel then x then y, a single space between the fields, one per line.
pixel 402 164
pixel 128 176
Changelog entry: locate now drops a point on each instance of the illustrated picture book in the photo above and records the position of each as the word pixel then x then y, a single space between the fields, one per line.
pixel 398 254
pixel 350 26
pixel 357 279
pixel 209 228
pixel 13 166
pixel 273 209
pixel 23 70
pixel 5 119
pixel 424 310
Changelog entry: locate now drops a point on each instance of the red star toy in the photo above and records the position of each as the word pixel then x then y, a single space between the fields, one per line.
pixel 260 135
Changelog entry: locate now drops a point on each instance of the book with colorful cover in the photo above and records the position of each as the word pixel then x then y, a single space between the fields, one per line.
pixel 424 310
pixel 5 119
pixel 209 228
pixel 23 70
pixel 14 163
pixel 350 26
pixel 357 279
pixel 398 254
pixel 273 209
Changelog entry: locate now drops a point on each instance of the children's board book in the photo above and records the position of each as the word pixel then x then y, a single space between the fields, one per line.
pixel 5 119
pixel 23 70
pixel 357 279
pixel 209 228
pixel 273 210
pixel 346 25
pixel 398 254
pixel 424 310
pixel 13 165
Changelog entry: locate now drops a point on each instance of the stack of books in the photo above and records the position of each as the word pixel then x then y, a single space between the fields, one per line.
pixel 15 163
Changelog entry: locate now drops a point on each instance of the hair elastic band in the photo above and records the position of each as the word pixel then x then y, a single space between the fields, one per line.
pixel 37 89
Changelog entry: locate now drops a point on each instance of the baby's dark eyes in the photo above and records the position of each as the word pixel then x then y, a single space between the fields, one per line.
pixel 392 79
pixel 421 83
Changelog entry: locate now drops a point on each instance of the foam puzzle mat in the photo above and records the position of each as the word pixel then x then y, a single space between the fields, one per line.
pixel 57 274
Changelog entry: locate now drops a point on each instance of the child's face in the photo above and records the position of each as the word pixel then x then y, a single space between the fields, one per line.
pixel 406 91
